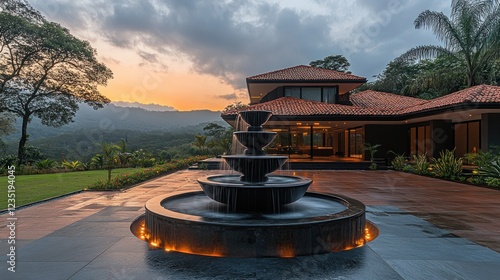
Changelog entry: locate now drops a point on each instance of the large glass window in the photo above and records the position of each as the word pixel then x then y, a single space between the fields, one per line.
pixel 356 145
pixel 329 95
pixel 292 91
pixel 420 141
pixel 311 93
pixel 320 94
pixel 467 138
pixel 298 142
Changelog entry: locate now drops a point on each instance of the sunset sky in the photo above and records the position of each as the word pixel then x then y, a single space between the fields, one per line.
pixel 194 55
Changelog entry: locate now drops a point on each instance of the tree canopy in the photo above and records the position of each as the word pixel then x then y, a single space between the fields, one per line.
pixel 471 37
pixel 424 79
pixel 44 70
pixel 333 62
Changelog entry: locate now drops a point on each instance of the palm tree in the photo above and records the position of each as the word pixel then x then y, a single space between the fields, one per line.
pixel 471 36
pixel 110 159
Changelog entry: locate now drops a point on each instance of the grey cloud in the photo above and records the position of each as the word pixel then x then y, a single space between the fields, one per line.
pixel 236 39
pixel 230 96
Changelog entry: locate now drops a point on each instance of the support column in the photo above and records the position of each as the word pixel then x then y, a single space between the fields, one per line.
pixel 311 139
pixel 490 131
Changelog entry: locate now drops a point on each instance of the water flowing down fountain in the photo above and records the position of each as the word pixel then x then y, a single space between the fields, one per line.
pixel 254 214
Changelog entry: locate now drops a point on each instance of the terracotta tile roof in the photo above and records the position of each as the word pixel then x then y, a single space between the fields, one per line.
pixel 474 95
pixel 373 103
pixel 383 100
pixel 291 106
pixel 306 73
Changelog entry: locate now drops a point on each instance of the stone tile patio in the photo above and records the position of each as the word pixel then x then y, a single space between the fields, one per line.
pixel 429 229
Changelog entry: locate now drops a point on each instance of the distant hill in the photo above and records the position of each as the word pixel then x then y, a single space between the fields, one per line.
pixel 113 117
pixel 148 107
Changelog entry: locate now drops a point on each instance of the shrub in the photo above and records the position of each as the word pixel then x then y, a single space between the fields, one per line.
pixel 399 162
pixel 45 164
pixel 492 182
pixel 124 180
pixel 447 165
pixel 72 165
pixel 421 164
pixel 492 169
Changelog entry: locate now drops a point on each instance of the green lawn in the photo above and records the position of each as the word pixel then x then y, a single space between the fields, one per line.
pixel 32 188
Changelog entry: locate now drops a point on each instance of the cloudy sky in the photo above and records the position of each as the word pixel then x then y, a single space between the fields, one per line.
pixel 196 54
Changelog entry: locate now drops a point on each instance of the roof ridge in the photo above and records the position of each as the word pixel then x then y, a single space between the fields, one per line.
pixel 275 71
pixel 307 72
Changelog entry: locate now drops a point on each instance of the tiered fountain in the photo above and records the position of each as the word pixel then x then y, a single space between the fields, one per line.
pixel 254 214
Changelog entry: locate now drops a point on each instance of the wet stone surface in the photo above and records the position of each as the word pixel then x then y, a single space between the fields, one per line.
pixel 408 247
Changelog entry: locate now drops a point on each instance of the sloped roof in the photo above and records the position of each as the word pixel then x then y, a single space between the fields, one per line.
pixel 305 73
pixel 291 106
pixel 375 103
pixel 475 95
pixel 383 100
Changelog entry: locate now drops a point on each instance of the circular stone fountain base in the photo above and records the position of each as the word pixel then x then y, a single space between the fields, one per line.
pixel 190 222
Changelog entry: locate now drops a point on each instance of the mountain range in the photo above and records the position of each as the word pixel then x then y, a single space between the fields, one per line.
pixel 154 130
pixel 113 117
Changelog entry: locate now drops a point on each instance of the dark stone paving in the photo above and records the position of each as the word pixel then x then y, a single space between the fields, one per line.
pixel 73 242
pixel 101 246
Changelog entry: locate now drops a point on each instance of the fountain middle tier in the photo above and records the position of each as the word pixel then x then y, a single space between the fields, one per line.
pixel 269 196
pixel 255 168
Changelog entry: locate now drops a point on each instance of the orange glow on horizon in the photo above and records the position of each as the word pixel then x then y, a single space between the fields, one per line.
pixel 182 91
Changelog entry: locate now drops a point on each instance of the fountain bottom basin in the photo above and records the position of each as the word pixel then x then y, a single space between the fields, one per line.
pixel 190 222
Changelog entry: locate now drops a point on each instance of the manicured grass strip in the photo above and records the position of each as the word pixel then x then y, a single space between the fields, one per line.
pixel 32 188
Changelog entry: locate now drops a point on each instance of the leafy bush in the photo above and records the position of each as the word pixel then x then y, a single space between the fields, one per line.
pixel 447 165
pixel 142 158
pixel 399 161
pixel 73 165
pixel 8 161
pixel 476 180
pixel 492 182
pixel 45 164
pixel 421 164
pixel 124 180
pixel 493 168
pixel 372 150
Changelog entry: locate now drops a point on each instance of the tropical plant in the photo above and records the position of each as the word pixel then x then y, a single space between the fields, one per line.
pixel 372 150
pixel 72 165
pixel 123 155
pixel 109 157
pixel 142 158
pixel 471 36
pixel 97 161
pixel 447 165
pixel 45 164
pixel 398 162
pixel 493 182
pixel 421 164
pixel 493 168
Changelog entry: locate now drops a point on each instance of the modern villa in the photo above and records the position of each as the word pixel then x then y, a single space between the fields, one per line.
pixel 316 116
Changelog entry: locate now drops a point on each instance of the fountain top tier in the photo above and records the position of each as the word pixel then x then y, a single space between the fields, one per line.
pixel 255 164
